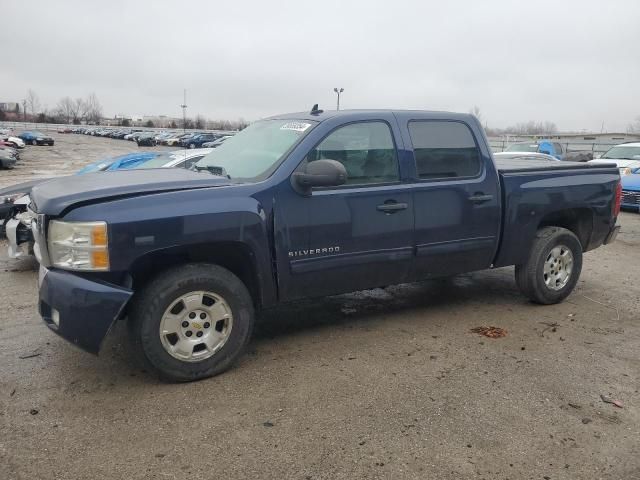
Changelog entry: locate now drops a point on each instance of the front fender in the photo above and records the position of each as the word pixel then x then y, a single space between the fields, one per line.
pixel 140 226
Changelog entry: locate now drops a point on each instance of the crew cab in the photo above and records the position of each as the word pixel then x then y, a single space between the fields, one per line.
pixel 304 205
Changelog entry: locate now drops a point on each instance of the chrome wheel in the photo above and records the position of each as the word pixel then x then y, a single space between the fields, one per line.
pixel 196 326
pixel 558 267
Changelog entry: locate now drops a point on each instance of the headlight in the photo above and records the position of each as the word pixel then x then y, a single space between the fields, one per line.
pixel 78 245
pixel 39 139
pixel 11 197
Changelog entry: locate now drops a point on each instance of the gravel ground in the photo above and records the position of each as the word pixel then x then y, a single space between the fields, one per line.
pixel 68 155
pixel 376 384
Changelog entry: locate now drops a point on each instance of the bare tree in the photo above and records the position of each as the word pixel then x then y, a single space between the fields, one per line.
pixel 634 127
pixel 200 122
pixel 93 109
pixel 533 128
pixel 79 110
pixel 33 102
pixel 476 111
pixel 549 127
pixel 66 109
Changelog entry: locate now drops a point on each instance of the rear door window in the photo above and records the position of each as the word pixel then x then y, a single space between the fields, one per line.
pixel 444 150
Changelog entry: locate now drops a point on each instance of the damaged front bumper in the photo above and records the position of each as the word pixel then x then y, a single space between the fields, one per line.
pixel 81 311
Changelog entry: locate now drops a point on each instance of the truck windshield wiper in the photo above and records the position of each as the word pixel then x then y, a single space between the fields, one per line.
pixel 213 170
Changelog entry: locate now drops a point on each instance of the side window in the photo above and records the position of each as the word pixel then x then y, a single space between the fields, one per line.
pixel 444 149
pixel 558 148
pixel 366 150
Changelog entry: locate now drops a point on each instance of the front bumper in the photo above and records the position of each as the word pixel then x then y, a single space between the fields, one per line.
pixel 19 243
pixel 81 311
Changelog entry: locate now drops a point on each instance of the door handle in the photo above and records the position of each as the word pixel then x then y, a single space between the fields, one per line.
pixel 480 198
pixel 394 207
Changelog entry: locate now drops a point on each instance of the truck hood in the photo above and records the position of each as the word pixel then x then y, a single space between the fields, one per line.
pixel 55 196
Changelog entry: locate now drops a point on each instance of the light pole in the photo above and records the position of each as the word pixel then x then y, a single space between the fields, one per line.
pixel 184 111
pixel 338 92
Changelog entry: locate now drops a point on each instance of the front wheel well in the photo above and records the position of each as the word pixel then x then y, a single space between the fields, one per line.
pixel 234 256
pixel 577 220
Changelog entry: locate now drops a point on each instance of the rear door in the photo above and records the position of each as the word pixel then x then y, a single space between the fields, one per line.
pixel 456 197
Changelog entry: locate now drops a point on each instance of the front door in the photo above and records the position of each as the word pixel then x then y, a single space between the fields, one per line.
pixel 355 236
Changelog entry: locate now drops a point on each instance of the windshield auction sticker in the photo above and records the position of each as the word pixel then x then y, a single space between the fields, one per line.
pixel 295 126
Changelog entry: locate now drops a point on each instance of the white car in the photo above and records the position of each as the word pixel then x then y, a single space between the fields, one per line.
pixel 177 159
pixel 14 141
pixel 626 156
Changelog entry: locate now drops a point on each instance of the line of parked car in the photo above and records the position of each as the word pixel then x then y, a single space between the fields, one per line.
pixel 146 138
pixel 9 148
pixel 15 222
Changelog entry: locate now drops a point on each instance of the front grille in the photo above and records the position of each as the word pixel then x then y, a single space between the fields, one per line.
pixel 630 198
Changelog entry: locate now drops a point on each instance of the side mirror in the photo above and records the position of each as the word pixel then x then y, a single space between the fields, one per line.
pixel 319 173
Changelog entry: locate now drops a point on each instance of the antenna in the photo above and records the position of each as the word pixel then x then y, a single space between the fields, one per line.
pixel 315 110
pixel 184 111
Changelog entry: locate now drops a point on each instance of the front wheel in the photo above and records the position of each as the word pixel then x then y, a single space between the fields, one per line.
pixel 34 142
pixel 192 321
pixel 553 267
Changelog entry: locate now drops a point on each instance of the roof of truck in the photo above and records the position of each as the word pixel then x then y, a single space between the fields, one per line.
pixel 364 114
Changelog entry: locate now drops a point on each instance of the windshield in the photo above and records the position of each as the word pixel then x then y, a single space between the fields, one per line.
pixel 522 147
pixel 254 152
pixel 623 153
pixel 159 161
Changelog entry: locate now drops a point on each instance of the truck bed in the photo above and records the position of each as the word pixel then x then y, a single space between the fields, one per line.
pixel 515 165
pixel 533 191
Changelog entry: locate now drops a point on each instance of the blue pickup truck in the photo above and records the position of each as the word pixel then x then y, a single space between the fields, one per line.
pixel 304 205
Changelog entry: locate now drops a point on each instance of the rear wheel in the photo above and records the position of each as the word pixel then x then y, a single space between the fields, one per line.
pixel 553 267
pixel 192 321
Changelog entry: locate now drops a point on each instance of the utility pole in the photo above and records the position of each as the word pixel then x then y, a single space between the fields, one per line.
pixel 338 92
pixel 184 111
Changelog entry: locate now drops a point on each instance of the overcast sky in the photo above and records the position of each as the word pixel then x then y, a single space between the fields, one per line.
pixel 574 62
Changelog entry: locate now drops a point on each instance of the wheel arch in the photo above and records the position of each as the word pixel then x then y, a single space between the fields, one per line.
pixel 237 257
pixel 577 220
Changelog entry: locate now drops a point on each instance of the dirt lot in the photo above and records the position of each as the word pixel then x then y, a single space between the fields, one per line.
pixel 377 384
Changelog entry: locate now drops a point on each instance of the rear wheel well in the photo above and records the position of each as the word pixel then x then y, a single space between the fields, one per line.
pixel 234 256
pixel 578 220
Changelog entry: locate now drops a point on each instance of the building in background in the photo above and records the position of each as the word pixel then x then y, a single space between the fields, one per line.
pixel 9 106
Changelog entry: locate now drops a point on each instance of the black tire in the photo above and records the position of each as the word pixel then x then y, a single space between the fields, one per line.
pixel 34 142
pixel 530 276
pixel 149 305
pixel 192 145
